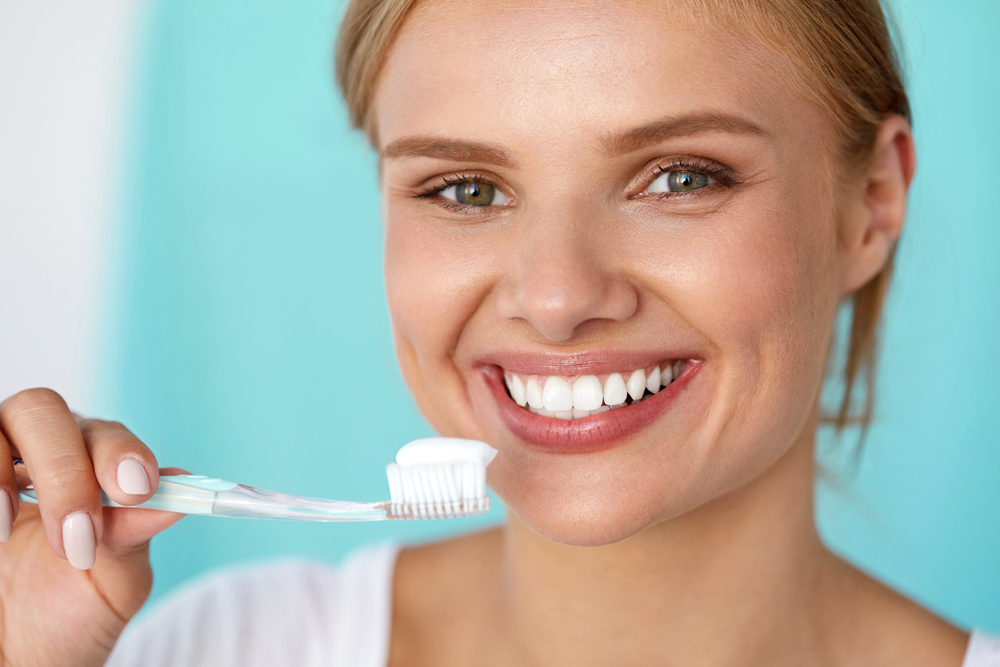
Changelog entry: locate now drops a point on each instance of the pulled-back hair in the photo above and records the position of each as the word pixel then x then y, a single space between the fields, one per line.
pixel 846 62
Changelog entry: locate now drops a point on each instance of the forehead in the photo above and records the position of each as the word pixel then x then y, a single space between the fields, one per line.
pixel 529 73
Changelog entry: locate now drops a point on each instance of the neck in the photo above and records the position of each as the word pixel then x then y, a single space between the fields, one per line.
pixel 716 586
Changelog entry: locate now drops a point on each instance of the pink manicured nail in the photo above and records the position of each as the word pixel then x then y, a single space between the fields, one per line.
pixel 78 540
pixel 132 477
pixel 6 517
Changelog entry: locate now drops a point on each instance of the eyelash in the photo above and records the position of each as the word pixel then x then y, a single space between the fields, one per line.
pixel 446 182
pixel 723 177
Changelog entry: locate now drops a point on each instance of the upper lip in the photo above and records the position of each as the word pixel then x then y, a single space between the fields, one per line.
pixel 591 362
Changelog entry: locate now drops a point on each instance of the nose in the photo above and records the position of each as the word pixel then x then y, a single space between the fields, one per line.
pixel 565 272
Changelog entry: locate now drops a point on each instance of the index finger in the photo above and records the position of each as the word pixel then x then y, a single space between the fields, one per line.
pixel 40 425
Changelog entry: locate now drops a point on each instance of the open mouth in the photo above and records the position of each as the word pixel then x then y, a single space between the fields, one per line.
pixel 582 396
pixel 585 412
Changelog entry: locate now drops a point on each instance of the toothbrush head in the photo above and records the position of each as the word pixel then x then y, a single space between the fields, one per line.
pixel 436 478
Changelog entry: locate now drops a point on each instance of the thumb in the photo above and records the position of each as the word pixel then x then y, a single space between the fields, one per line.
pixel 121 570
pixel 129 529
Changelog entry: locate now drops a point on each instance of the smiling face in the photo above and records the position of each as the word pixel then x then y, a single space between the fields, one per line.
pixel 572 196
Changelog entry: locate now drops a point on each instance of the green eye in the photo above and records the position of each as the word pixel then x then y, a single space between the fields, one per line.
pixel 679 180
pixel 474 193
pixel 686 180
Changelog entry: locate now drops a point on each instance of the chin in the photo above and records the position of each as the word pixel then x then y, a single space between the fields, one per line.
pixel 604 498
pixel 574 507
pixel 577 526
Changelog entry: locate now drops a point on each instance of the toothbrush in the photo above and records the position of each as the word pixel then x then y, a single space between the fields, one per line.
pixel 432 478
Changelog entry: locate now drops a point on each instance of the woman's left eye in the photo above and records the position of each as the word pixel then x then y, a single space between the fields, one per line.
pixel 679 180
pixel 474 193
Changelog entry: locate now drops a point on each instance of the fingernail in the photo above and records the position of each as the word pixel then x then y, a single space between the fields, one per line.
pixel 132 477
pixel 78 540
pixel 6 517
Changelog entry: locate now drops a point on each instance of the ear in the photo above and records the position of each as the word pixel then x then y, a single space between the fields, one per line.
pixel 874 222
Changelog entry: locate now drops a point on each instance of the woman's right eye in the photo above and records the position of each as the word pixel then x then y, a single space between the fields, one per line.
pixel 474 193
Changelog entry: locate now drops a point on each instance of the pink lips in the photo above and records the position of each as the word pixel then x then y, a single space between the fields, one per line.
pixel 590 433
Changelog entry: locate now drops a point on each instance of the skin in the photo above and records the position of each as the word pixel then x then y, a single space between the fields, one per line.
pixel 691 541
pixel 50 612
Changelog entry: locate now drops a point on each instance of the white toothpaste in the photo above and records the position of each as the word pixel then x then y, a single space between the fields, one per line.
pixel 440 451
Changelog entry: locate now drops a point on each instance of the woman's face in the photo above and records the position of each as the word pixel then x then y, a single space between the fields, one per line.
pixel 573 193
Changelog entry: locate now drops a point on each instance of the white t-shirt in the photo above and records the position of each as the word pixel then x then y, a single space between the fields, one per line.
pixel 301 614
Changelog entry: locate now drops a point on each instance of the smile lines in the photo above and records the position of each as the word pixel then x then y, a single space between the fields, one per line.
pixel 586 395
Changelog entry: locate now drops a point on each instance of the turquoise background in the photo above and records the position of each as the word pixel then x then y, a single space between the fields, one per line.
pixel 251 339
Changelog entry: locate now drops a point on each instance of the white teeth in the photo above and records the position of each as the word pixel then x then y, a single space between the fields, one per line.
pixel 557 395
pixel 653 380
pixel 636 384
pixel 517 391
pixel 615 391
pixel 534 394
pixel 587 396
pixel 587 393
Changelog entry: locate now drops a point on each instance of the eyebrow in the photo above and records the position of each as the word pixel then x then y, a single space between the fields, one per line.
pixel 613 145
pixel 447 149
pixel 677 126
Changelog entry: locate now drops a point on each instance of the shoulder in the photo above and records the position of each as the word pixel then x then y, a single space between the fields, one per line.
pixel 984 651
pixel 444 599
pixel 871 619
pixel 296 612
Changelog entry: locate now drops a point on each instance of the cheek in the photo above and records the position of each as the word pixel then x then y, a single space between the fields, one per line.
pixel 431 283
pixel 433 286
pixel 760 279
pixel 765 281
pixel 762 287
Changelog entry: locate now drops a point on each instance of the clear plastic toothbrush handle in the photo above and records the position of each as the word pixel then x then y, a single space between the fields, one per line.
pixel 197 494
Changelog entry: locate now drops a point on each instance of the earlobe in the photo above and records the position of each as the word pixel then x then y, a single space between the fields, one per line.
pixel 876 222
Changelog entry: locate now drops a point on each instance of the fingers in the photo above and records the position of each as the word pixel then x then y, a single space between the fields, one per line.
pixel 70 460
pixel 8 490
pixel 39 424
pixel 128 530
pixel 125 548
pixel 124 466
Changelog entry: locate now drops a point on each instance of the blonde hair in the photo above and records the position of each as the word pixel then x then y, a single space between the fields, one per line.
pixel 844 45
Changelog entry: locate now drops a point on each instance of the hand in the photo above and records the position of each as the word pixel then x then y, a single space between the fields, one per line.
pixel 54 612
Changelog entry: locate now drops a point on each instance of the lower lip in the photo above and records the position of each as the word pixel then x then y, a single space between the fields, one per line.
pixel 589 433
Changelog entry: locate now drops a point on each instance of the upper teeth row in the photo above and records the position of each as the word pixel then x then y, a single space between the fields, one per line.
pixel 587 394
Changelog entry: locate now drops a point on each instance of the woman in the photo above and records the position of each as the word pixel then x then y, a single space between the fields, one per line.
pixel 674 197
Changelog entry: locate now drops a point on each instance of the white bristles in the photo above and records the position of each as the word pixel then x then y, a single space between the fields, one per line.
pixel 437 491
pixel 439 477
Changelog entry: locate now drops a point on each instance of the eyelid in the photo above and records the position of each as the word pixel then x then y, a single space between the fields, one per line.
pixel 441 183
pixel 722 174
